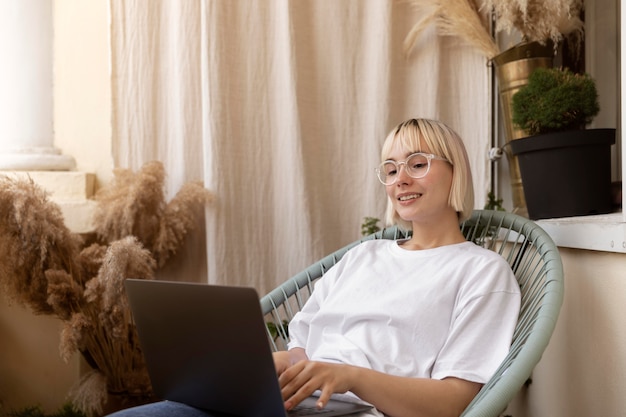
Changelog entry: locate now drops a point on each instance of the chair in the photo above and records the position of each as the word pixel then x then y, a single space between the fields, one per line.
pixel 537 265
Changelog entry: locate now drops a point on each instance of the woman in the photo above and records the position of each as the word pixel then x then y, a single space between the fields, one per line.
pixel 413 327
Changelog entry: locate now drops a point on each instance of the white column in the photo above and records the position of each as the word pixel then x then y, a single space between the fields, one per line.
pixel 26 129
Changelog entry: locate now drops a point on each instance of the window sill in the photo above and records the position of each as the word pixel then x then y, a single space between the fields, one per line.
pixel 605 232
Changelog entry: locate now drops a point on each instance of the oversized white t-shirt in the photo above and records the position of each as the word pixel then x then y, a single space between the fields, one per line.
pixel 443 312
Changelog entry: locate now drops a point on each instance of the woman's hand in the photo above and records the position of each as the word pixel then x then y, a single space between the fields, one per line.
pixel 305 377
pixel 282 361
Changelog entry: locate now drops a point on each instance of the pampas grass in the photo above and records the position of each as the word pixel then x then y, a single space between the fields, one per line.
pixel 459 18
pixel 135 205
pixel 91 393
pixel 33 240
pixel 52 271
pixel 536 20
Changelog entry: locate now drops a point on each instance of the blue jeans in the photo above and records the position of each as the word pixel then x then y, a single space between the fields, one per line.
pixel 162 409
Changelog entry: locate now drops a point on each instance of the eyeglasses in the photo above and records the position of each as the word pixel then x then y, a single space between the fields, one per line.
pixel 416 165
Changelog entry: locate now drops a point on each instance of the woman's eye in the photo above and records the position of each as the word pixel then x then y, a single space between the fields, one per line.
pixel 391 172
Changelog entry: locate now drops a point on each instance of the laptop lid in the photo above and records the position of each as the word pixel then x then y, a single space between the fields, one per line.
pixel 207 346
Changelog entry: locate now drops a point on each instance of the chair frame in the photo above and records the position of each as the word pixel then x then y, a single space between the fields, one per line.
pixel 536 263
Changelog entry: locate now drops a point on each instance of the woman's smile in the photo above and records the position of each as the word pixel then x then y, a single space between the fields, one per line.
pixel 406 197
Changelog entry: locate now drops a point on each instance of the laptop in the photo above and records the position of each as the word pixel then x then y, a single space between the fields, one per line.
pixel 207 346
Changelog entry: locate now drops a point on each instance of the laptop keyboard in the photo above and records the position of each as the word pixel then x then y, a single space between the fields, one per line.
pixel 307 411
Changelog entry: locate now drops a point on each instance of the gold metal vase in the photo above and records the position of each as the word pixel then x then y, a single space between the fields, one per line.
pixel 513 67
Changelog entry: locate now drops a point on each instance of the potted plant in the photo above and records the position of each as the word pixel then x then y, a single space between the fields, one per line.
pixel 555 99
pixel 565 168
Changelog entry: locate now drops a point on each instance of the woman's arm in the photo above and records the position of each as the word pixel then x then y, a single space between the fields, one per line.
pixel 392 395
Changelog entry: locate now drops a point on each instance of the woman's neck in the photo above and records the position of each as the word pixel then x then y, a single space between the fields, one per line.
pixel 433 235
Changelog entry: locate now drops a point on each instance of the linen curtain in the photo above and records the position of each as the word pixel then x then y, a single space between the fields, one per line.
pixel 281 107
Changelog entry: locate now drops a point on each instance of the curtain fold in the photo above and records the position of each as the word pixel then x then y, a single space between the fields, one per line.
pixel 281 108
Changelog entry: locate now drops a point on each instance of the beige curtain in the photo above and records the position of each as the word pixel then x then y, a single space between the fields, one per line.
pixel 281 107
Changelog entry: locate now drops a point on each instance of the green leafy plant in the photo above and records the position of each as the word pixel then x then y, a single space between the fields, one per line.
pixel 555 99
pixel 275 331
pixel 369 226
pixel 493 203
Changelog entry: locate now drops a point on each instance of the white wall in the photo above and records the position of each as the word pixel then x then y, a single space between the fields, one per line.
pixel 31 370
pixel 82 85
pixel 583 371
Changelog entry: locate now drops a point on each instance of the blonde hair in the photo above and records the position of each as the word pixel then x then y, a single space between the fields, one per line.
pixel 441 141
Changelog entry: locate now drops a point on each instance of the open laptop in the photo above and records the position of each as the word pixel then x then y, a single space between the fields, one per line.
pixel 207 346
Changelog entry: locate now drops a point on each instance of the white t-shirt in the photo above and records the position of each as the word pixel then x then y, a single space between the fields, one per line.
pixel 443 312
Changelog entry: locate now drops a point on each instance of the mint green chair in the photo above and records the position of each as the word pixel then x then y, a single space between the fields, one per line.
pixel 536 262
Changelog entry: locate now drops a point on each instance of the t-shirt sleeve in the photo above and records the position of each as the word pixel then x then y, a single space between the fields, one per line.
pixel 299 324
pixel 482 328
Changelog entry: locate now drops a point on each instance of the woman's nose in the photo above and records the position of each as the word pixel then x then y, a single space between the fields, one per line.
pixel 403 175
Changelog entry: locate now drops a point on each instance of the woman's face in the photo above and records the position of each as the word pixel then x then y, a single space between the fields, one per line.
pixel 421 199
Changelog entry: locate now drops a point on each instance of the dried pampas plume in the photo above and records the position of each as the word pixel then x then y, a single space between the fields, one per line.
pixel 134 204
pixel 537 20
pixel 48 269
pixel 90 394
pixel 458 18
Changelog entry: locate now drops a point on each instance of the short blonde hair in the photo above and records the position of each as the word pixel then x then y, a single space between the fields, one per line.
pixel 442 141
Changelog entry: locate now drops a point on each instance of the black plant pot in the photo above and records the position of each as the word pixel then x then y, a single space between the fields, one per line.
pixel 566 173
